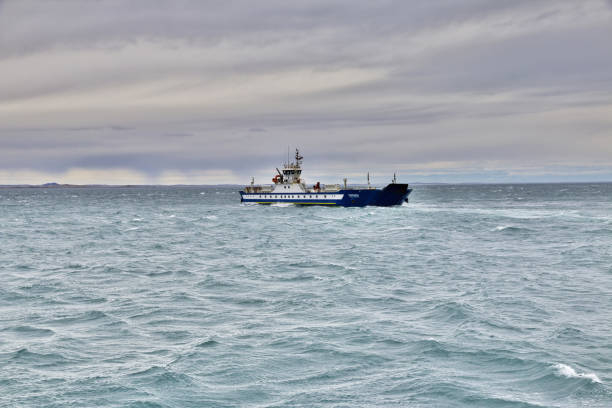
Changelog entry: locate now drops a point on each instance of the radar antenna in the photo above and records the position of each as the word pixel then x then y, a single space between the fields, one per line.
pixel 298 158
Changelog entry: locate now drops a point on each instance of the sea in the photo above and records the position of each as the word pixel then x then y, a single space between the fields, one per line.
pixel 467 296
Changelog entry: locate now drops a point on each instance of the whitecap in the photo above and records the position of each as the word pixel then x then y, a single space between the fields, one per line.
pixel 502 227
pixel 569 372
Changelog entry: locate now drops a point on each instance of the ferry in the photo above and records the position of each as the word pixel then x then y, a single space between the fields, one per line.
pixel 290 188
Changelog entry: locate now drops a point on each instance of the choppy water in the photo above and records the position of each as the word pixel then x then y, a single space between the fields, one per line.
pixel 486 296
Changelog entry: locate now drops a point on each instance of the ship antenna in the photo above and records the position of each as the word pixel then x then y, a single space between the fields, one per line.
pixel 368 179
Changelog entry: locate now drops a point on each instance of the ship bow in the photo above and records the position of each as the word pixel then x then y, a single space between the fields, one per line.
pixel 393 194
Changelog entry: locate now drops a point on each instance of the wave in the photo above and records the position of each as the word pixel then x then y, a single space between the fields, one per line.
pixel 161 377
pixel 498 401
pixel 567 371
pixel 40 360
pixel 450 312
pixel 510 228
pixel 32 331
pixel 145 404
pixel 88 316
pixel 523 213
pixel 207 343
pixel 401 229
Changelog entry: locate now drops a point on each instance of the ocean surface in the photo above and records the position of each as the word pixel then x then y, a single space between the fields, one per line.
pixel 468 296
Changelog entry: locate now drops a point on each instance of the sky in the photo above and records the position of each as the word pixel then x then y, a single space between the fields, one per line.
pixel 214 92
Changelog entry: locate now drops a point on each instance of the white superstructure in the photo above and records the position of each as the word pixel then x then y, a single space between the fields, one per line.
pixel 289 181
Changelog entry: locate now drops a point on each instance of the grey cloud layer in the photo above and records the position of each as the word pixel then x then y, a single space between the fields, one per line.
pixel 472 86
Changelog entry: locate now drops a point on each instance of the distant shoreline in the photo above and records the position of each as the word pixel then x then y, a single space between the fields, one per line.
pixel 59 186
pixel 113 185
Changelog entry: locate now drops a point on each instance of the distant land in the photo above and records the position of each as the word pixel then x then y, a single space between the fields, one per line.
pixel 416 183
pixel 59 185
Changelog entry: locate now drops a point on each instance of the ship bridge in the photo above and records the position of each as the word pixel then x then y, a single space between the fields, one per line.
pixel 292 171
pixel 291 174
pixel 290 179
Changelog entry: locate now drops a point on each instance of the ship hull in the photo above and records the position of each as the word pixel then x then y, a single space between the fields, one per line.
pixel 393 194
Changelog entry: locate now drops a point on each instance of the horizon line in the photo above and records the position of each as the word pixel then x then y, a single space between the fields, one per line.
pixel 62 185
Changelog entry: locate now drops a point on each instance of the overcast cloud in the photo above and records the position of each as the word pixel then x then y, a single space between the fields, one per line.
pixel 176 92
